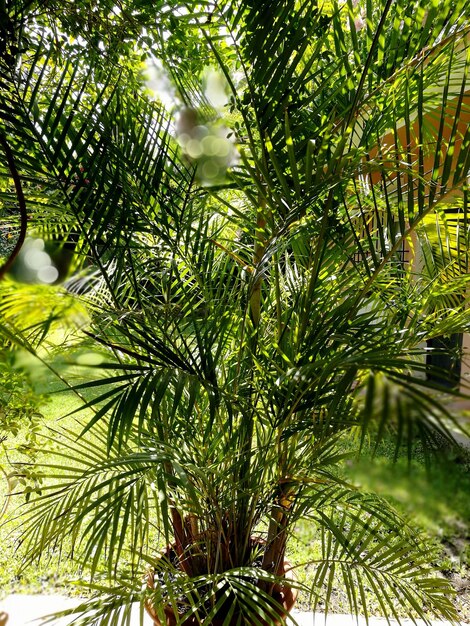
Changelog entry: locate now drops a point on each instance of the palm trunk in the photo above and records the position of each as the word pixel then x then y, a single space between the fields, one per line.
pixel 273 558
pixel 242 533
pixel 259 250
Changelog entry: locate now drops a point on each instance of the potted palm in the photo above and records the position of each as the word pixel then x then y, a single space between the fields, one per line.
pixel 258 304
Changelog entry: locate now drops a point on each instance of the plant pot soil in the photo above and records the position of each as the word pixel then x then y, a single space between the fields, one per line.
pixel 284 595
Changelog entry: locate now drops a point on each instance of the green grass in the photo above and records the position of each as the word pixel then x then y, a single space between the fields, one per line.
pixel 434 499
pixel 435 502
pixel 53 573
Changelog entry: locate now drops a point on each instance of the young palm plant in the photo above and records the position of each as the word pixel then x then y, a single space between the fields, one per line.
pixel 260 284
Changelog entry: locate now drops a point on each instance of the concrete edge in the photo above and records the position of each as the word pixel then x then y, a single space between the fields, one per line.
pixel 30 610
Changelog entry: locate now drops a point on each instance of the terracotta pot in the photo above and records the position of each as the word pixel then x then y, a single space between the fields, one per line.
pixel 283 594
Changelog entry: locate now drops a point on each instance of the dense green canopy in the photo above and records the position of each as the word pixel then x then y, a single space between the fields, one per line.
pixel 263 206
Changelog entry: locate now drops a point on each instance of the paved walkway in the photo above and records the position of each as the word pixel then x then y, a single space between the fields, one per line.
pixel 27 610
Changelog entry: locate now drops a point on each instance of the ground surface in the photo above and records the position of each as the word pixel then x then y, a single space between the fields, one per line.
pixel 23 609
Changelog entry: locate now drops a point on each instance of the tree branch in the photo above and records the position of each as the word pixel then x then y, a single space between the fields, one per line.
pixel 21 203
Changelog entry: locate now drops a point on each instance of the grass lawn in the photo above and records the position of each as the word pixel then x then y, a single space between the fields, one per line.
pixel 435 499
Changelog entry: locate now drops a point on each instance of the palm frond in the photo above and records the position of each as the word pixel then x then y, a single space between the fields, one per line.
pixel 369 556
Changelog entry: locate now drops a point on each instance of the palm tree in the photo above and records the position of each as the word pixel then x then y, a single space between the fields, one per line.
pixel 245 276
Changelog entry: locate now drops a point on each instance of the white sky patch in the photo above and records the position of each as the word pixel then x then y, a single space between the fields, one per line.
pixel 80 40
pixel 182 11
pixel 215 90
pixel 159 83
